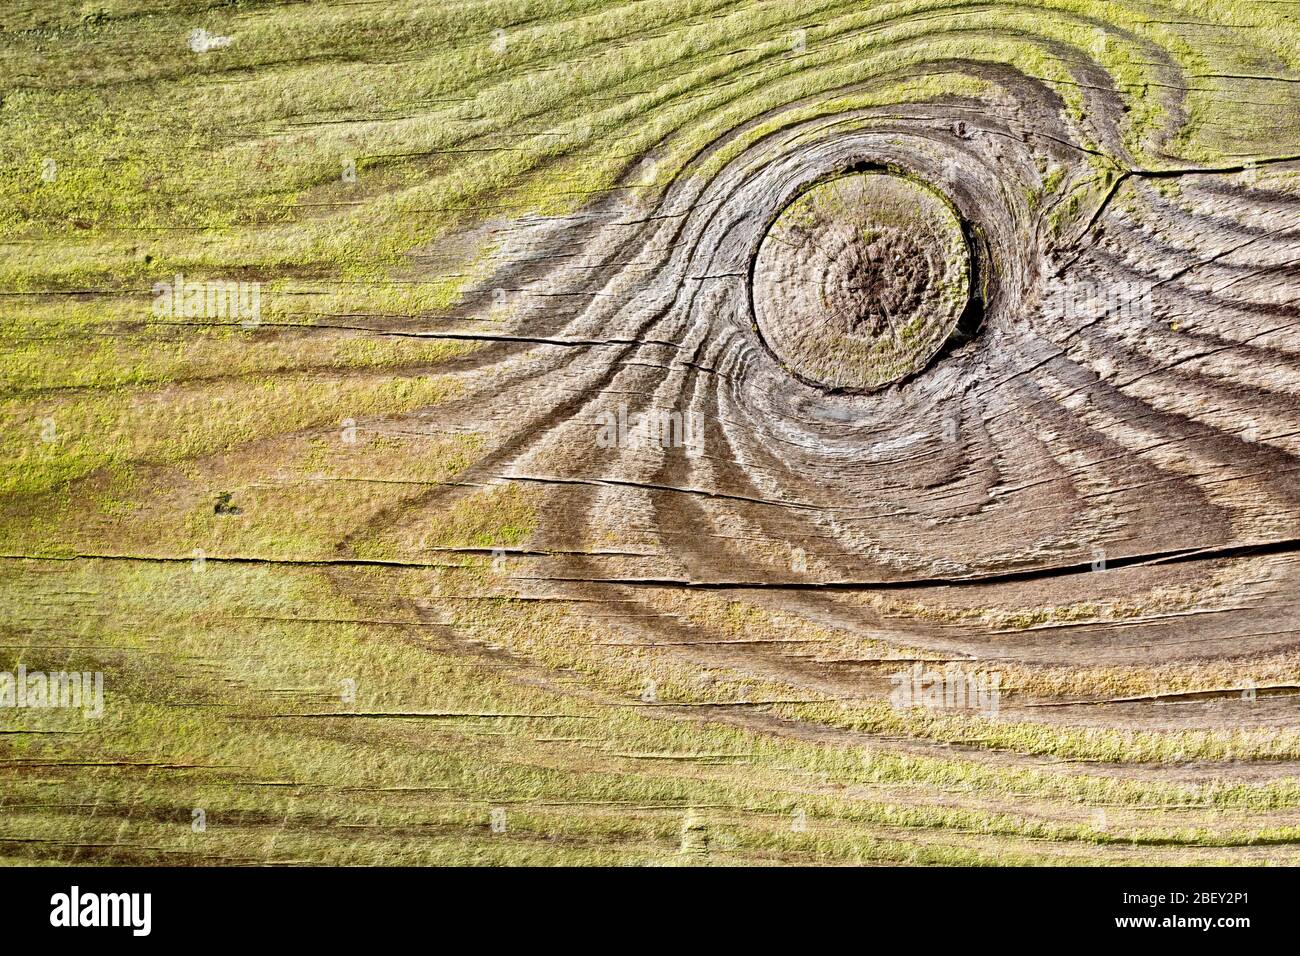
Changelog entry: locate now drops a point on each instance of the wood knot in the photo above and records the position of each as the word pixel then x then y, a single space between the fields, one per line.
pixel 860 280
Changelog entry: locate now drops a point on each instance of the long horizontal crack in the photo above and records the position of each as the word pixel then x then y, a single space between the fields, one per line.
pixel 1179 556
pixel 650 486
pixel 1286 546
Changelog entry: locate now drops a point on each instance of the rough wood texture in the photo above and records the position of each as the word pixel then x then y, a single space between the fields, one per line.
pixel 509 532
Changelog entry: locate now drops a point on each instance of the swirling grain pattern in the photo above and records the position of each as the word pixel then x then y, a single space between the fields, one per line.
pixel 672 431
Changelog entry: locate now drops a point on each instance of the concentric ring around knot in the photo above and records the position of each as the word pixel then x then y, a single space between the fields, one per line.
pixel 861 280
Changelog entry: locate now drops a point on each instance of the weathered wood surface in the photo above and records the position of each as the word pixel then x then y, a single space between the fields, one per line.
pixel 622 572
